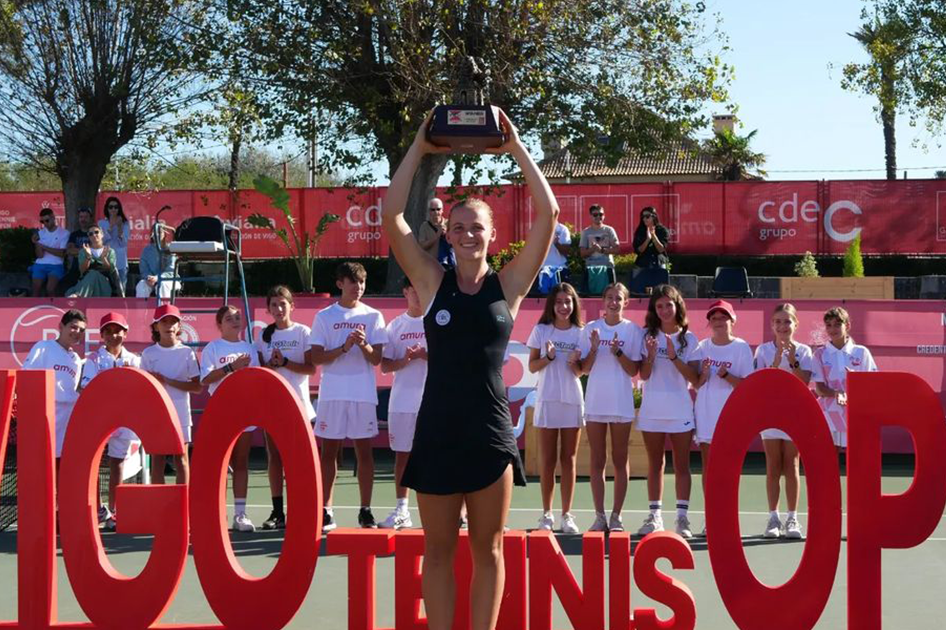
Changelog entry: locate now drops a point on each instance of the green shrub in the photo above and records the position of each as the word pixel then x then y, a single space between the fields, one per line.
pixel 499 260
pixel 853 261
pixel 807 267
pixel 16 249
pixel 624 266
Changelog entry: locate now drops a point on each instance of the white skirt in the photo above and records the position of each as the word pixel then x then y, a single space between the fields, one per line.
pixel 664 426
pixel 557 415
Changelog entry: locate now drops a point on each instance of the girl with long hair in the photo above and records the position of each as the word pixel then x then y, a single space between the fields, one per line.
pixel 115 227
pixel 554 355
pixel 650 240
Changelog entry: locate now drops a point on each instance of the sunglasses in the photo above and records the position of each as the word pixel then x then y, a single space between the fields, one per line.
pixel 112 206
pixel 95 232
pixel 647 216
pixel 597 215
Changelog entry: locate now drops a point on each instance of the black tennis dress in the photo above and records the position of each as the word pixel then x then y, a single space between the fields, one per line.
pixel 463 439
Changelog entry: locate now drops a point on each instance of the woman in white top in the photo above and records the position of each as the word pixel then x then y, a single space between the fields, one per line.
pixel 724 361
pixel 220 358
pixel 116 231
pixel 668 369
pixel 554 355
pixel 175 366
pixel 830 366
pixel 611 348
pixel 284 347
pixel 781 454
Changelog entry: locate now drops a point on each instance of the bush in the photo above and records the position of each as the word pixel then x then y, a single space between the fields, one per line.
pixel 807 267
pixel 16 249
pixel 624 266
pixel 499 260
pixel 853 261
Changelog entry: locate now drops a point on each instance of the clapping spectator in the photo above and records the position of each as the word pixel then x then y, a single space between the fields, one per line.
pixel 597 245
pixel 116 231
pixel 97 270
pixel 77 238
pixel 650 241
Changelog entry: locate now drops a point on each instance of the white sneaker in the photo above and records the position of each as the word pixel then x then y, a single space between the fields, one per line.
pixel 682 527
pixel 568 524
pixel 773 528
pixel 396 520
pixel 546 522
pixel 792 529
pixel 615 524
pixel 600 524
pixel 653 523
pixel 104 514
pixel 242 523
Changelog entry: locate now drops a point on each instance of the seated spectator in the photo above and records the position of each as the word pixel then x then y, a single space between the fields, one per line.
pixel 77 238
pixel 598 243
pixel 156 268
pixel 650 241
pixel 554 269
pixel 50 245
pixel 98 276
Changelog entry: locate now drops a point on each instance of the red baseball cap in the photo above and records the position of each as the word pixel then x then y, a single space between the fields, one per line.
pixel 168 310
pixel 721 305
pixel 113 318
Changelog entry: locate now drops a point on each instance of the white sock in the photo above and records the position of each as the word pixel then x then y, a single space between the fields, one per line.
pixel 682 508
pixel 329 510
pixel 239 506
pixel 402 505
pixel 793 514
pixel 655 507
pixel 775 514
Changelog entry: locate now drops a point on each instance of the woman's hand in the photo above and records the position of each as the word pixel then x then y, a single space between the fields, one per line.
pixel 512 142
pixel 650 342
pixel 595 340
pixel 550 350
pixel 422 144
pixel 276 359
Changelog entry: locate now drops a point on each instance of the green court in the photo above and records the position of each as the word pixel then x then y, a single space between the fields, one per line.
pixel 913 579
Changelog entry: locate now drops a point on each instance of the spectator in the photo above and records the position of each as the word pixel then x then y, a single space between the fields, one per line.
pixel 98 276
pixel 116 230
pixel 598 243
pixel 156 267
pixel 650 241
pixel 554 269
pixel 77 238
pixel 50 244
pixel 431 235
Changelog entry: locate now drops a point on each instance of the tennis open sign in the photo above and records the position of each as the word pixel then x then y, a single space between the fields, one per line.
pixel 535 566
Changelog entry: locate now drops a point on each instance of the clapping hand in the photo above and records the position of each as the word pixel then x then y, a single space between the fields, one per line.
pixel 550 350
pixel 615 345
pixel 242 362
pixel 650 342
pixel 276 359
pixel 595 339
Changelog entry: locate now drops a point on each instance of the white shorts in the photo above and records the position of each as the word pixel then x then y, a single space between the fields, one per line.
pixel 607 418
pixel 557 415
pixel 119 445
pixel 664 426
pixel 840 438
pixel 341 419
pixel 704 432
pixel 775 434
pixel 401 430
pixel 63 412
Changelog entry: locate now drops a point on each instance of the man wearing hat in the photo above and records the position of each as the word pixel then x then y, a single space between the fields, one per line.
pixel 113 329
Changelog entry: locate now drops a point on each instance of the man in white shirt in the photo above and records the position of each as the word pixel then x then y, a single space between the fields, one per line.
pixel 60 357
pixel 347 341
pixel 50 244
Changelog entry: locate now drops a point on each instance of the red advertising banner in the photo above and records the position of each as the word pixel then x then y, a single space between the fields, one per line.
pixel 748 218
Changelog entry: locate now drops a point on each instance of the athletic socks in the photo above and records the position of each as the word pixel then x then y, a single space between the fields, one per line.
pixel 793 515
pixel 775 514
pixel 239 506
pixel 402 505
pixel 682 508
pixel 277 505
pixel 655 507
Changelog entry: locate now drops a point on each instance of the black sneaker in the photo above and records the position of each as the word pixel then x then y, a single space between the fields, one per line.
pixel 276 520
pixel 328 521
pixel 366 519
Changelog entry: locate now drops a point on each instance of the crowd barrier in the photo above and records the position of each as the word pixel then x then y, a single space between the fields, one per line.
pixel 742 218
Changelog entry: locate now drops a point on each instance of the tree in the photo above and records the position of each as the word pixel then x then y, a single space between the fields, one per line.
pixel 82 78
pixel 637 73
pixel 886 40
pixel 732 154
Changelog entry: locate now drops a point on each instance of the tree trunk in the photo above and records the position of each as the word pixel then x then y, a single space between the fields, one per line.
pixel 233 177
pixel 81 178
pixel 422 190
pixel 887 118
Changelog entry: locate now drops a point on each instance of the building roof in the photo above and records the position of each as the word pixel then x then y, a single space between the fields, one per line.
pixel 684 158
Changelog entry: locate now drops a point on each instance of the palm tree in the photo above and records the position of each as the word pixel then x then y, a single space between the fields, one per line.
pixel 886 43
pixel 731 153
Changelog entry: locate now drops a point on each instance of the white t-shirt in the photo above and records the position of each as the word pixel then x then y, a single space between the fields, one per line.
pixel 292 342
pixel 557 383
pixel 555 258
pixel 56 239
pixel 179 363
pixel 666 394
pixel 101 360
pixel 349 377
pixel 610 390
pixel 765 357
pixel 712 396
pixel 830 366
pixel 66 366
pixel 221 352
pixel 408 388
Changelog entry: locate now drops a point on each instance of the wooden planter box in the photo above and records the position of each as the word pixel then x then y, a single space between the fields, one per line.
pixel 636 453
pixel 870 288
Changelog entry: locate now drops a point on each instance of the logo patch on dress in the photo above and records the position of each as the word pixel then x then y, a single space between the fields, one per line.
pixel 442 317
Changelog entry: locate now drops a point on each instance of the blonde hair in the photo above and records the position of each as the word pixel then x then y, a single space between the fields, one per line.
pixel 787 308
pixel 473 204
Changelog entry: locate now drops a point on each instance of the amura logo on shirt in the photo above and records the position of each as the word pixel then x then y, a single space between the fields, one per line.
pixel 412 335
pixel 348 326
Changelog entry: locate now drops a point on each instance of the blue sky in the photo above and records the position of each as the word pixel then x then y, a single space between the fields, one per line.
pixel 788 58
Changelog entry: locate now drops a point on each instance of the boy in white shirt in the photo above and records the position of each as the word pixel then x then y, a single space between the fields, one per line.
pixel 113 328
pixel 60 357
pixel 50 244
pixel 347 341
pixel 405 354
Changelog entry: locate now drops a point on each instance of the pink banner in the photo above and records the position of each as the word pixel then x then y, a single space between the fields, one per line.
pixel 906 336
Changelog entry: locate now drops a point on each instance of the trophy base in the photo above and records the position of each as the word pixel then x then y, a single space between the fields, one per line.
pixel 466 128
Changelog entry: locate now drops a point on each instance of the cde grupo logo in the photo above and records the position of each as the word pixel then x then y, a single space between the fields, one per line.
pixel 364 224
pixel 783 218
